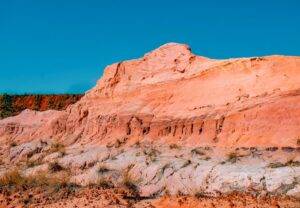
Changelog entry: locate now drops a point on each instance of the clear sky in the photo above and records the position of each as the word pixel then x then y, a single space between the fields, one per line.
pixel 59 46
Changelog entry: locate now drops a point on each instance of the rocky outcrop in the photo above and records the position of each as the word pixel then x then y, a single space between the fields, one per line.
pixel 153 171
pixel 173 96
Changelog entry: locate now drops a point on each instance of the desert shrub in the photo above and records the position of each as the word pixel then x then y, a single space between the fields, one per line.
pixel 276 165
pixel 272 149
pixel 138 144
pixel 13 144
pixel 33 163
pixel 200 195
pixel 130 183
pixel 197 151
pixel 104 183
pixel 174 146
pixel 207 158
pixel 186 163
pixel 6 107
pixel 151 153
pixel 57 147
pixel 232 157
pixel 120 142
pixel 12 178
pixel 253 149
pixel 290 163
pixel 293 163
pixel 103 169
pixel 55 167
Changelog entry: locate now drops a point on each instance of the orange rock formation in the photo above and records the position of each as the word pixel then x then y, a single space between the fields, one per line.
pixel 173 96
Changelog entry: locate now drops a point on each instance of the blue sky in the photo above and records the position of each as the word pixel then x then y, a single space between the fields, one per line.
pixel 59 46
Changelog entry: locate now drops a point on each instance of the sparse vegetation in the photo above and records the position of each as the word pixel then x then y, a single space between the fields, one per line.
pixel 6 108
pixel 233 157
pixel 272 149
pixel 13 144
pixel 151 153
pixel 120 142
pixel 14 178
pixel 103 169
pixel 276 165
pixel 11 105
pixel 174 146
pixel 104 183
pixel 33 163
pixel 197 151
pixel 200 195
pixel 11 178
pixel 55 167
pixel 207 158
pixel 293 163
pixel 130 182
pixel 186 163
pixel 57 147
pixel 290 163
pixel 138 144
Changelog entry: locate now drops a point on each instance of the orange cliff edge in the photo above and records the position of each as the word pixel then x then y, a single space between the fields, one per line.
pixel 173 96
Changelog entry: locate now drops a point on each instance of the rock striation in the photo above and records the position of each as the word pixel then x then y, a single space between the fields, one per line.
pixel 173 96
pixel 168 125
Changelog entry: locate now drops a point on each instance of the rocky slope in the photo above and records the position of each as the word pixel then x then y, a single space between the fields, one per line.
pixel 172 95
pixel 11 105
pixel 170 123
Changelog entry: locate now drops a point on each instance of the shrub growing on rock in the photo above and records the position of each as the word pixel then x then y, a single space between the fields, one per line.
pixel 55 167
pixel 233 157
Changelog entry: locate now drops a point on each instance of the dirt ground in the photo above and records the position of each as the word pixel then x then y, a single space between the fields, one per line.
pixel 96 197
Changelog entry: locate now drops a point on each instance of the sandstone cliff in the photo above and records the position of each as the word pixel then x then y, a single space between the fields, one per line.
pixel 173 96
pixel 168 124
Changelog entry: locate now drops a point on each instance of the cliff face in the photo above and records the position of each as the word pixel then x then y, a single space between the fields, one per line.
pixel 173 96
pixel 11 105
pixel 171 123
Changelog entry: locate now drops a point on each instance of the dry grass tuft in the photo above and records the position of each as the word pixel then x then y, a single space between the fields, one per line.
pixel 14 178
pixel 103 169
pixel 130 183
pixel 57 147
pixel 174 146
pixel 200 195
pixel 233 157
pixel 290 163
pixel 104 183
pixel 33 163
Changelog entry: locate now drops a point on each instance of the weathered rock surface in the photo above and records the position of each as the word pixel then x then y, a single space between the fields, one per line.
pixel 171 123
pixel 171 95
pixel 172 170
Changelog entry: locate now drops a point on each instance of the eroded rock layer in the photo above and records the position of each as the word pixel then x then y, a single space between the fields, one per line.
pixel 173 96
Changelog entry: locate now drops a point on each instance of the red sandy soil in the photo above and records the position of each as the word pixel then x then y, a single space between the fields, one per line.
pixel 96 197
